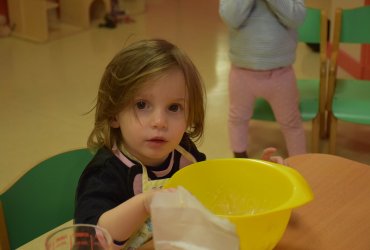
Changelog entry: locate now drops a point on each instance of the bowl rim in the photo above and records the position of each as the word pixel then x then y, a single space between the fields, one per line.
pixel 301 191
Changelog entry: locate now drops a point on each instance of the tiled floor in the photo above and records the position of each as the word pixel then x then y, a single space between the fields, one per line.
pixel 46 89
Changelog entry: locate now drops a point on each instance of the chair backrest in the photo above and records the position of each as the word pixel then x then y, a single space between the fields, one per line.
pixel 43 198
pixel 310 30
pixel 351 26
pixel 355 25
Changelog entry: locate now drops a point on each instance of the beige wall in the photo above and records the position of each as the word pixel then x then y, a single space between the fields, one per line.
pixel 324 4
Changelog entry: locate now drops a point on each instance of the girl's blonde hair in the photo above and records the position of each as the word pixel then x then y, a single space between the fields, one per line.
pixel 133 66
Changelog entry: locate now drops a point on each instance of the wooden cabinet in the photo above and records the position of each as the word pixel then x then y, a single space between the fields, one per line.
pixel 32 17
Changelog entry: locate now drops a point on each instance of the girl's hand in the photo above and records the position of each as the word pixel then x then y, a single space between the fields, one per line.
pixel 267 155
pixel 148 196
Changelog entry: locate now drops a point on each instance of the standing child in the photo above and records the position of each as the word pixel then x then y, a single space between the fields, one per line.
pixel 150 106
pixel 263 41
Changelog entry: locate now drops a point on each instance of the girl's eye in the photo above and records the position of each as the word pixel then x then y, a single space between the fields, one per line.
pixel 174 107
pixel 141 104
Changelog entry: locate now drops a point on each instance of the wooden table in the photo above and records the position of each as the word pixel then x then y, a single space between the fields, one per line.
pixel 339 216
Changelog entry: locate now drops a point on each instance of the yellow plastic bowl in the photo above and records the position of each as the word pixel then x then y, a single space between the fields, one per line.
pixel 257 196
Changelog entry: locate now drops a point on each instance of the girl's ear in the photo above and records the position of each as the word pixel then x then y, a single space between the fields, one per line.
pixel 114 122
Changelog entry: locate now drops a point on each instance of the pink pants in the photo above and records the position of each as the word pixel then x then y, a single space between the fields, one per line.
pixel 278 87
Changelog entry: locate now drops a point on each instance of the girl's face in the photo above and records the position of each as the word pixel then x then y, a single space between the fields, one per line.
pixel 155 123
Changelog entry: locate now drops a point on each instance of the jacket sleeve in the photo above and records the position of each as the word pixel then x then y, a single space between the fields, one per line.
pixel 235 12
pixel 290 13
pixel 101 187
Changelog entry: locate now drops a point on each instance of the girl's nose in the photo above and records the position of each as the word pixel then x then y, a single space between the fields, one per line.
pixel 159 120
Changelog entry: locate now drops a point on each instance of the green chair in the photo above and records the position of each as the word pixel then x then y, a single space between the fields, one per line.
pixel 42 199
pixel 312 91
pixel 349 99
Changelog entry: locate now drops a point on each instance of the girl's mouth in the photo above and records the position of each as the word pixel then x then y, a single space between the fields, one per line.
pixel 157 140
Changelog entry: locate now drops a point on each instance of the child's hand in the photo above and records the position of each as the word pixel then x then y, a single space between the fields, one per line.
pixel 267 155
pixel 148 196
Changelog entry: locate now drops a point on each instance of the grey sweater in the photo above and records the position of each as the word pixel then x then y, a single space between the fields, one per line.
pixel 263 33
